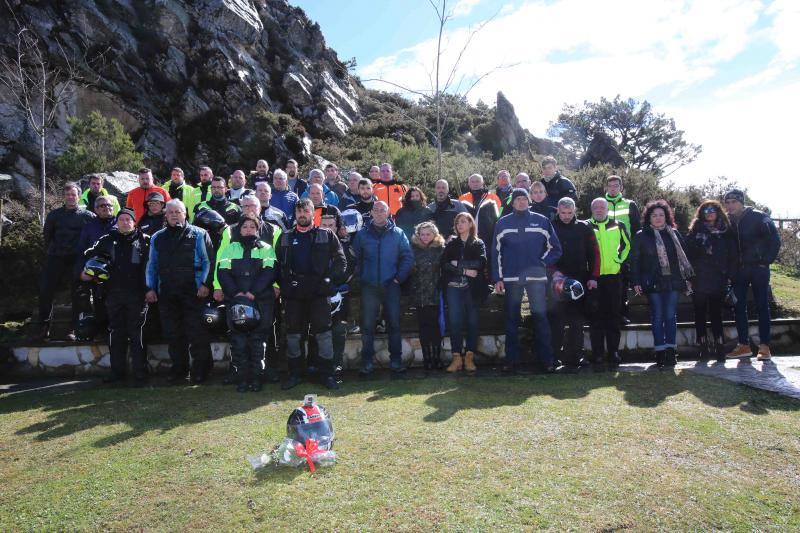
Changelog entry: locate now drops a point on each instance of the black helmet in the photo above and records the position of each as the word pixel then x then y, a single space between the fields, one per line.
pixel 214 317
pixel 86 327
pixel 98 268
pixel 311 421
pixel 209 220
pixel 566 288
pixel 244 317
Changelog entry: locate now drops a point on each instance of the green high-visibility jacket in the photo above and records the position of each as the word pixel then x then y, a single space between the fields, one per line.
pixel 84 200
pixel 626 211
pixel 247 268
pixel 614 243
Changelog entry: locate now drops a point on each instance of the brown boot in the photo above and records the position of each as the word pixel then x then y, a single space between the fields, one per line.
pixel 469 362
pixel 456 364
pixel 764 353
pixel 741 350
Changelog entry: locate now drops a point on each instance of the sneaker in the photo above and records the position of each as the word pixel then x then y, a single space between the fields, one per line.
pixel 764 354
pixel 741 350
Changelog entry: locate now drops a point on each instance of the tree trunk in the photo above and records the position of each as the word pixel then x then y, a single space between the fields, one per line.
pixel 43 181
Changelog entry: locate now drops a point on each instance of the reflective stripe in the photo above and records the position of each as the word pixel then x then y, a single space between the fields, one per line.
pixel 546 238
pixel 542 278
pixel 511 279
pixel 499 253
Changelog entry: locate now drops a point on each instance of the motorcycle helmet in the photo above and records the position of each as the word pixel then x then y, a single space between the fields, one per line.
pixel 352 220
pixel 214 317
pixel 244 317
pixel 566 288
pixel 86 328
pixel 98 268
pixel 311 421
pixel 209 220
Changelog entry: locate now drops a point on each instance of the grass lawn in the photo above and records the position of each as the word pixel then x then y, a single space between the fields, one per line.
pixel 787 291
pixel 587 452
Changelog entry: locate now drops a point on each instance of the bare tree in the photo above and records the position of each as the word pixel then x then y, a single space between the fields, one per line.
pixel 454 82
pixel 38 86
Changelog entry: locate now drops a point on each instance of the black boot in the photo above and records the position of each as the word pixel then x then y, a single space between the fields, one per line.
pixel 427 358
pixel 294 378
pixel 660 358
pixel 231 376
pixel 670 358
pixel 704 352
pixel 436 355
pixel 614 360
pixel 719 350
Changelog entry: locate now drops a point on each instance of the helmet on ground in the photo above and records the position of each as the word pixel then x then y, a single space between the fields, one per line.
pixel 566 288
pixel 214 317
pixel 98 268
pixel 209 220
pixel 352 220
pixel 86 328
pixel 311 421
pixel 244 317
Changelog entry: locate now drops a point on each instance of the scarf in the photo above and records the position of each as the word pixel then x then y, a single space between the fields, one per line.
pixel 663 260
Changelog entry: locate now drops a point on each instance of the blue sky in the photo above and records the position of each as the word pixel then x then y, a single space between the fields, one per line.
pixel 728 71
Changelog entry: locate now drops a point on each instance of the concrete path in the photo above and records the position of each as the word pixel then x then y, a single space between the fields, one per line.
pixel 781 374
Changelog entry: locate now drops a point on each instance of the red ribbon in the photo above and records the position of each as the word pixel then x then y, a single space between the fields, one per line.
pixel 309 451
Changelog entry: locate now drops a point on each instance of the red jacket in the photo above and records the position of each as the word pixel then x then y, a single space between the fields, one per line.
pixel 137 197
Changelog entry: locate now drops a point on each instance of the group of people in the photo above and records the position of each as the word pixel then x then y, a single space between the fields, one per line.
pixel 284 256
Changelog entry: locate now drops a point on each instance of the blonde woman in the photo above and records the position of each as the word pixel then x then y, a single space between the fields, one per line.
pixel 428 245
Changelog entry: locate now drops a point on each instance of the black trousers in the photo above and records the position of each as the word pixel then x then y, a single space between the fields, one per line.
pixel 302 314
pixel 428 320
pixel 567 319
pixel 707 306
pixel 127 314
pixel 248 349
pixel 604 315
pixel 58 269
pixel 182 324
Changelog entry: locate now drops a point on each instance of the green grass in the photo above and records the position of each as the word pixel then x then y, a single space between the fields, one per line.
pixel 588 452
pixel 786 289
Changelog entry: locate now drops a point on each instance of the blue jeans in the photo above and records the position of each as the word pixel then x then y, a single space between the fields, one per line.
pixel 663 318
pixel 758 278
pixel 513 301
pixel 372 298
pixel 461 311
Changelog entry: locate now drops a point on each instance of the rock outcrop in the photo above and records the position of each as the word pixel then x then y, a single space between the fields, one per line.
pixel 602 150
pixel 194 81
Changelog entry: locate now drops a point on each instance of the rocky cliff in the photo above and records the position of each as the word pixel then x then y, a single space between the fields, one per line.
pixel 193 81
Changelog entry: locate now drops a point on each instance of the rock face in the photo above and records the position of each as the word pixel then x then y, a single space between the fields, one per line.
pixel 195 81
pixel 602 150
pixel 510 135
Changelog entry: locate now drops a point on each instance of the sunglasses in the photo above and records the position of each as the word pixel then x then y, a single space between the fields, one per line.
pixel 709 210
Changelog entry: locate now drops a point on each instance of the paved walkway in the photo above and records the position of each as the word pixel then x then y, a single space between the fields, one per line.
pixel 781 375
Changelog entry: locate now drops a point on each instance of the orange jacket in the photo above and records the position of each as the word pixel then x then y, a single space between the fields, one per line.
pixel 390 192
pixel 467 198
pixel 137 197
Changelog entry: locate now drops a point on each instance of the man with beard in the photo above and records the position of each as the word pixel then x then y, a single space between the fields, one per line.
pixel 389 190
pixel 504 187
pixel 178 188
pixel 202 192
pixel 483 205
pixel 445 209
pixel 238 189
pixel 268 213
pixel 137 196
pixel 296 184
pixel 94 191
pixel 220 203
pixel 260 174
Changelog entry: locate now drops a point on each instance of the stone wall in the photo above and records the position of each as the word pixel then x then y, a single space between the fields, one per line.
pixel 636 343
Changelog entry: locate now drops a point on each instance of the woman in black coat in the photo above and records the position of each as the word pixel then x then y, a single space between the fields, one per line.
pixel 711 247
pixel 426 292
pixel 414 211
pixel 661 270
pixel 466 288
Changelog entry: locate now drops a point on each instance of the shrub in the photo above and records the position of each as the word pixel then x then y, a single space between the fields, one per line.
pixel 97 144
pixel 789 256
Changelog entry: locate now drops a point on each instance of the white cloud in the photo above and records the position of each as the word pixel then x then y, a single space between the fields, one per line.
pixel 464 7
pixel 568 51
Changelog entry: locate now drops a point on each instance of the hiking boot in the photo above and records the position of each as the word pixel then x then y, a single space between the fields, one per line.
pixel 741 350
pixel 719 350
pixel 469 362
pixel 427 358
pixel 764 354
pixel 660 358
pixel 670 358
pixel 456 364
pixel 436 356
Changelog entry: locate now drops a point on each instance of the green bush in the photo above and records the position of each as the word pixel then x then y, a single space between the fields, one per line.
pixel 97 144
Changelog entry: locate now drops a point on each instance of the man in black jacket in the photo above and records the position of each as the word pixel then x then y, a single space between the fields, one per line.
pixel 312 265
pixel 580 260
pixel 220 203
pixel 483 206
pixel 445 208
pixel 557 185
pixel 62 230
pixel 128 248
pixel 153 219
pixel 758 244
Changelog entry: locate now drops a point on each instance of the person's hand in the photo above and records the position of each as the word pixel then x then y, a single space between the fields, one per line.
pixel 249 295
pixel 202 292
pixel 85 277
pixel 471 273
pixel 637 289
pixel 591 284
pixel 218 296
pixel 151 297
pixel 499 287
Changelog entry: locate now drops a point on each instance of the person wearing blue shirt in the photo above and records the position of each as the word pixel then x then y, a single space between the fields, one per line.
pixel 282 198
pixel 383 261
pixel 329 196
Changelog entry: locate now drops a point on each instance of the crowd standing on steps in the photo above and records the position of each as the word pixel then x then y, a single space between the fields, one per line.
pixel 276 261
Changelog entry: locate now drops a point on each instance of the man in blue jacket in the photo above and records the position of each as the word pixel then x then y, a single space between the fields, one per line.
pixel 758 244
pixel 524 245
pixel 179 277
pixel 383 261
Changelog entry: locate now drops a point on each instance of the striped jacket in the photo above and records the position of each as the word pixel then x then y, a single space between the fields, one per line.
pixel 524 245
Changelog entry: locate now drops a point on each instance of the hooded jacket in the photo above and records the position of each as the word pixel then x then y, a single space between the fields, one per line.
pixel 382 255
pixel 524 245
